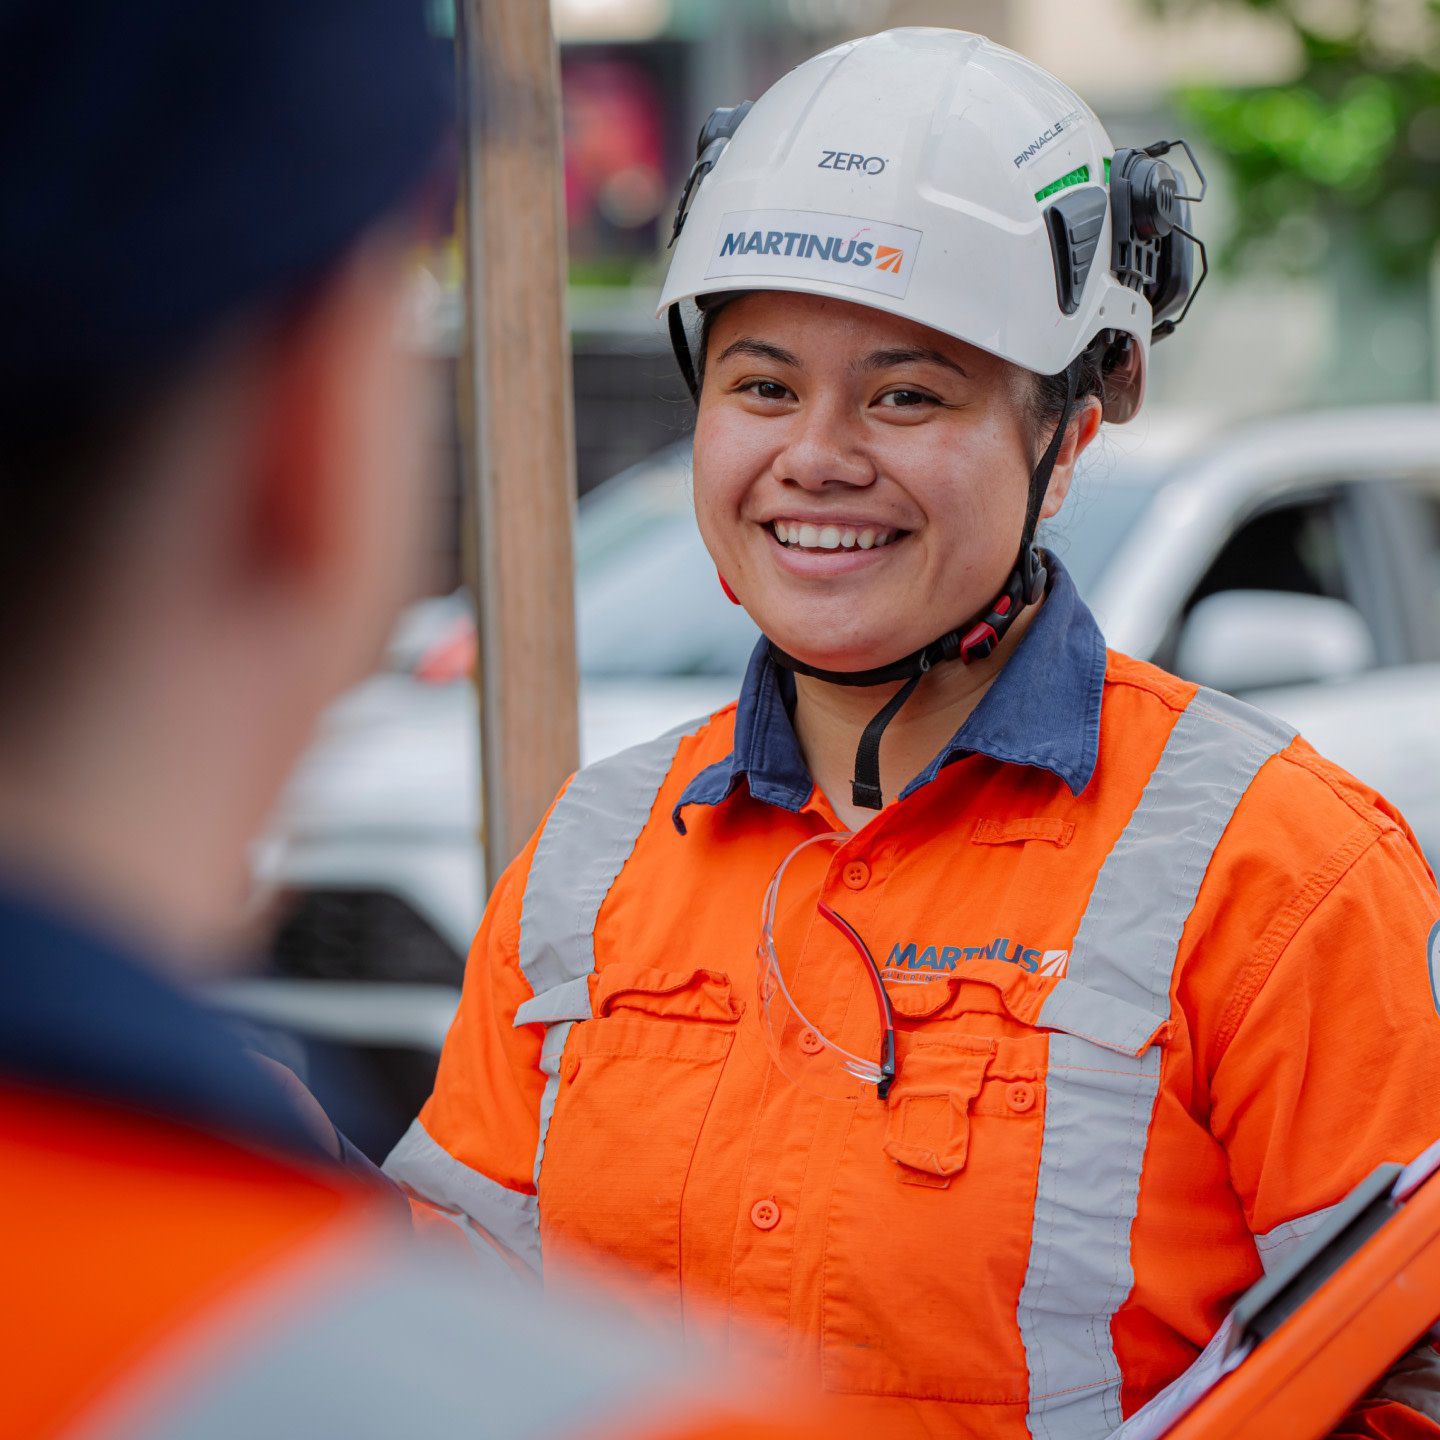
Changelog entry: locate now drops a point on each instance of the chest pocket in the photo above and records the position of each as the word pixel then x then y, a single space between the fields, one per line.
pixel 635 1084
pixel 931 1218
pixel 928 1125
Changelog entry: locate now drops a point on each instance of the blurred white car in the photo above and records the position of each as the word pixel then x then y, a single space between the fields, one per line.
pixel 1295 561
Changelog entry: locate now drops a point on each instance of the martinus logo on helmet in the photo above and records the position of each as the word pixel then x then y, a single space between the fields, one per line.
pixel 809 245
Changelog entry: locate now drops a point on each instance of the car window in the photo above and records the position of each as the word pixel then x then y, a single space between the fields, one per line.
pixel 1421 497
pixel 1430 535
pixel 1311 544
pixel 1294 547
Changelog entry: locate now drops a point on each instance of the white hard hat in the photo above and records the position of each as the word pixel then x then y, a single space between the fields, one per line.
pixel 938 176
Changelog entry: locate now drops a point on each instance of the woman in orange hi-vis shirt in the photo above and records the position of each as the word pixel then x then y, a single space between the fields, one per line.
pixel 979 1051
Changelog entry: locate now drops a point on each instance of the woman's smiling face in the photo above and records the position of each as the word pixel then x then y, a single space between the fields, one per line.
pixel 860 480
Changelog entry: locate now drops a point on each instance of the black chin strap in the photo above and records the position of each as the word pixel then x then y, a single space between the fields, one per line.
pixel 680 344
pixel 975 641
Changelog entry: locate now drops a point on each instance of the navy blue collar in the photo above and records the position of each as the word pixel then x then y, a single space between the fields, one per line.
pixel 78 1014
pixel 1042 710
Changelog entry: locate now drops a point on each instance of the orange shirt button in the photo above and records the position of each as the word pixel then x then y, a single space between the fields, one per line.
pixel 1020 1096
pixel 856 874
pixel 765 1214
pixel 810 1042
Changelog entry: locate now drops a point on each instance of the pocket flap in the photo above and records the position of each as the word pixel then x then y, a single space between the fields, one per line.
pixel 1056 832
pixel 1043 1001
pixel 568 1001
pixel 1103 1019
pixel 697 994
pixel 929 1122
pixel 923 999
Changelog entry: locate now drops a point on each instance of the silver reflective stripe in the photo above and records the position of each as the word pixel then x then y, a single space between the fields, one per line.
pixel 584 846
pixel 429 1172
pixel 1099 1101
pixel 1091 1015
pixel 589 836
pixel 1274 1245
pixel 1147 886
pixel 550 1053
pixel 570 1001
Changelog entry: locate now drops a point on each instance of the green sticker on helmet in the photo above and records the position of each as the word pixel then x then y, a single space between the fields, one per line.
pixel 1078 176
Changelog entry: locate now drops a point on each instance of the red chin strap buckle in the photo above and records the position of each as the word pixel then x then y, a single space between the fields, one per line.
pixel 979 642
pixel 981 638
pixel 730 595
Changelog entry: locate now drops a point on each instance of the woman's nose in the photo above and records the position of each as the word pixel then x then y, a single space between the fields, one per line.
pixel 824 449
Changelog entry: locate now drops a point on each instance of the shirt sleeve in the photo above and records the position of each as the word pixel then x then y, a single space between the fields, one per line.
pixel 470 1156
pixel 1334 1067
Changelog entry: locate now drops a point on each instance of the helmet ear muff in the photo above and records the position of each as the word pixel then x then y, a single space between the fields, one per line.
pixel 1152 247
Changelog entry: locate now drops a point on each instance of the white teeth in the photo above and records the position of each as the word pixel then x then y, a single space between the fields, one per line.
pixel 829 537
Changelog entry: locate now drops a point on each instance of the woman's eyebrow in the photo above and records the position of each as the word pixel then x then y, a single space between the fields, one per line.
pixel 884 359
pixel 761 350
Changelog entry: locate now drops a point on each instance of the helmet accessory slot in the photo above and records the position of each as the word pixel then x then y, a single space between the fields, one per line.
pixel 1075 221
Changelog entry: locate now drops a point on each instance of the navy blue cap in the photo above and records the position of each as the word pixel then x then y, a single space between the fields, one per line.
pixel 164 162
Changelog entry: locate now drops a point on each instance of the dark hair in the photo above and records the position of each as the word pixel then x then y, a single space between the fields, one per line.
pixel 707 324
pixel 72 462
pixel 1046 394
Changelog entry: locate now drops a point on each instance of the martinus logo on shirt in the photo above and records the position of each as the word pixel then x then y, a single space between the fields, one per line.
pixel 913 963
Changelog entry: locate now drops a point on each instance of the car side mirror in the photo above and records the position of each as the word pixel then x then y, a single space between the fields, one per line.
pixel 1244 639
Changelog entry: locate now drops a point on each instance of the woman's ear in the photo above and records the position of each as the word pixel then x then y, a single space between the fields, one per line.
pixel 1084 426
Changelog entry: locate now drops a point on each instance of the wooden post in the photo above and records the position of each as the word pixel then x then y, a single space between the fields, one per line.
pixel 517 416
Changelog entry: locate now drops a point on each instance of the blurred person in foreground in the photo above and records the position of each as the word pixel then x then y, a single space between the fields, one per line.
pixel 210 446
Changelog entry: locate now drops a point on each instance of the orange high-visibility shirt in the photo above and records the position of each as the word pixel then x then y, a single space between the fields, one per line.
pixel 1162 996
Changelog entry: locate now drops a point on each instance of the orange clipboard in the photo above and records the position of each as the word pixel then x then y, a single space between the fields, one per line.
pixel 1305 1343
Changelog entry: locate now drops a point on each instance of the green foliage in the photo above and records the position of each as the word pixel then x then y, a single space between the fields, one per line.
pixel 1351 144
pixel 606 269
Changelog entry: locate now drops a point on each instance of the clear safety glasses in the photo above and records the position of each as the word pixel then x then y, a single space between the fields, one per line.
pixel 800 1048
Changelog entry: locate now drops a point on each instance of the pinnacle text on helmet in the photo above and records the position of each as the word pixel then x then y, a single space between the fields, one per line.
pixel 1064 123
